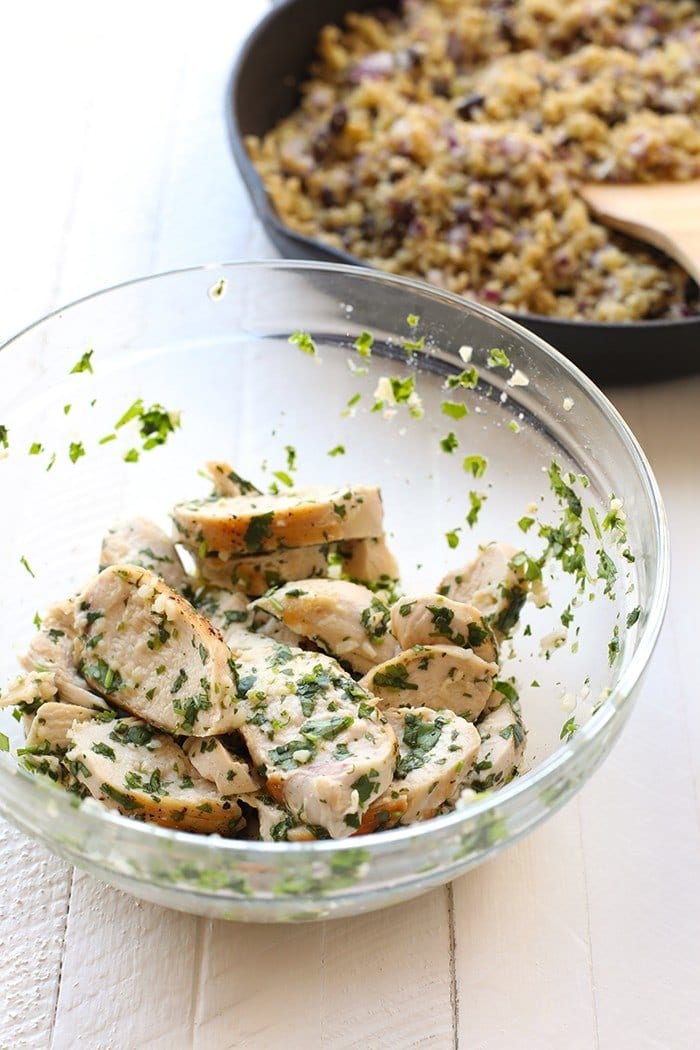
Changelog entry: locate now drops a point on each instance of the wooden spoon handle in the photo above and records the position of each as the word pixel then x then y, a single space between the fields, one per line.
pixel 665 214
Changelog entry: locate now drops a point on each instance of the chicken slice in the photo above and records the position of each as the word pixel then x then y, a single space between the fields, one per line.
pixel 436 752
pixel 50 727
pixel 503 740
pixel 433 618
pixel 30 691
pixel 144 647
pixel 492 584
pixel 307 517
pixel 315 736
pixel 369 561
pixel 139 541
pixel 344 619
pixel 435 676
pixel 54 648
pixel 222 608
pixel 215 762
pixel 144 774
pixel 276 824
pixel 227 482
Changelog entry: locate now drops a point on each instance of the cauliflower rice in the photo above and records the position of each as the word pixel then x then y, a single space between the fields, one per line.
pixel 446 142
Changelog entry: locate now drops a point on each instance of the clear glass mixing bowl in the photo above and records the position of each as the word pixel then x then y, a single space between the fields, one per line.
pixel 214 343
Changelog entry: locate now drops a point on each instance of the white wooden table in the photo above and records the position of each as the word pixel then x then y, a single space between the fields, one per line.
pixel 586 935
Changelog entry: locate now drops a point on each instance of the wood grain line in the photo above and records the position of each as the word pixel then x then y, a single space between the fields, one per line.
pixel 62 934
pixel 454 987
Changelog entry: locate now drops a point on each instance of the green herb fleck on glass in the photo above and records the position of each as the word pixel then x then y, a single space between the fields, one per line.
pixel 364 343
pixel 475 465
pixel 449 443
pixel 476 502
pixel 454 409
pixel 497 359
pixel 568 729
pixel 76 450
pixel 27 566
pixel 452 538
pixel 633 616
pixel 304 341
pixel 84 364
pixel 466 379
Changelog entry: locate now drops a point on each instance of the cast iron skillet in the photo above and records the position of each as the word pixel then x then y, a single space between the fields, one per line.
pixel 264 88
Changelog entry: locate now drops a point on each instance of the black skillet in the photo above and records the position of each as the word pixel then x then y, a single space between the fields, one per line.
pixel 264 87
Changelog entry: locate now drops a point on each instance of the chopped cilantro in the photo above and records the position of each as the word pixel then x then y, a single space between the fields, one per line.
pixel 75 451
pixel 364 343
pixel 27 566
pixel 452 538
pixel 412 320
pixel 467 379
pixel 366 785
pixel 36 448
pixel 339 450
pixel 4 742
pixel 104 749
pixel 497 358
pixel 449 443
pixel 132 456
pixel 454 409
pixel 4 436
pixel 125 801
pixel 304 341
pixel 394 676
pixel 633 616
pixel 476 502
pixel 282 476
pixel 84 364
pixel 568 729
pixel 259 529
pixel 525 524
pixel 476 465
pixel 614 645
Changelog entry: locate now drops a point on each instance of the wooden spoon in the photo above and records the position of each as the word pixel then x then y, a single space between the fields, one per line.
pixel 665 214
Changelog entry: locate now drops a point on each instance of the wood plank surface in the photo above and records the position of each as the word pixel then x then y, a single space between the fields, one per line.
pixel 586 934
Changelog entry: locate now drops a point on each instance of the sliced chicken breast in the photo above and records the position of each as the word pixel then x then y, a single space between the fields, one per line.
pixel 50 727
pixel 503 740
pixel 146 649
pixel 144 774
pixel 222 608
pixel 213 761
pixel 315 736
pixel 436 751
pixel 435 676
pixel 492 584
pixel 432 618
pixel 54 647
pixel 369 561
pixel 307 517
pixel 227 482
pixel 343 619
pixel 276 824
pixel 30 691
pixel 139 541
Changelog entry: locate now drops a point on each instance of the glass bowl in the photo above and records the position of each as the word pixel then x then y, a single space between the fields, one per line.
pixel 213 343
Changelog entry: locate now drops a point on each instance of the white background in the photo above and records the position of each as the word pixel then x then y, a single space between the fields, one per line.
pixel 114 164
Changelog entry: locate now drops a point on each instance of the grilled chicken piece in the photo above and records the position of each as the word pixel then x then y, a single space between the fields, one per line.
pixel 369 560
pixel 223 608
pixel 365 560
pixel 139 541
pixel 53 648
pixel 30 691
pixel 144 774
pixel 144 647
pixel 51 725
pixel 215 762
pixel 503 740
pixel 493 585
pixel 433 618
pixel 307 517
pixel 227 482
pixel 276 824
pixel 343 619
pixel 435 676
pixel 436 752
pixel 315 736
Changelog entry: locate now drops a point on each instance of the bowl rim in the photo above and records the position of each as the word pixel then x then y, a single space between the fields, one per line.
pixel 270 218
pixel 568 754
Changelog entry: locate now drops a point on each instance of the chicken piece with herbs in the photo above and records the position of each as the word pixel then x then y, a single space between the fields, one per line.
pixel 252 523
pixel 139 541
pixel 345 620
pixel 501 750
pixel 433 619
pixel 146 649
pixel 435 676
pixel 144 774
pixel 315 737
pixel 496 583
pixel 436 752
